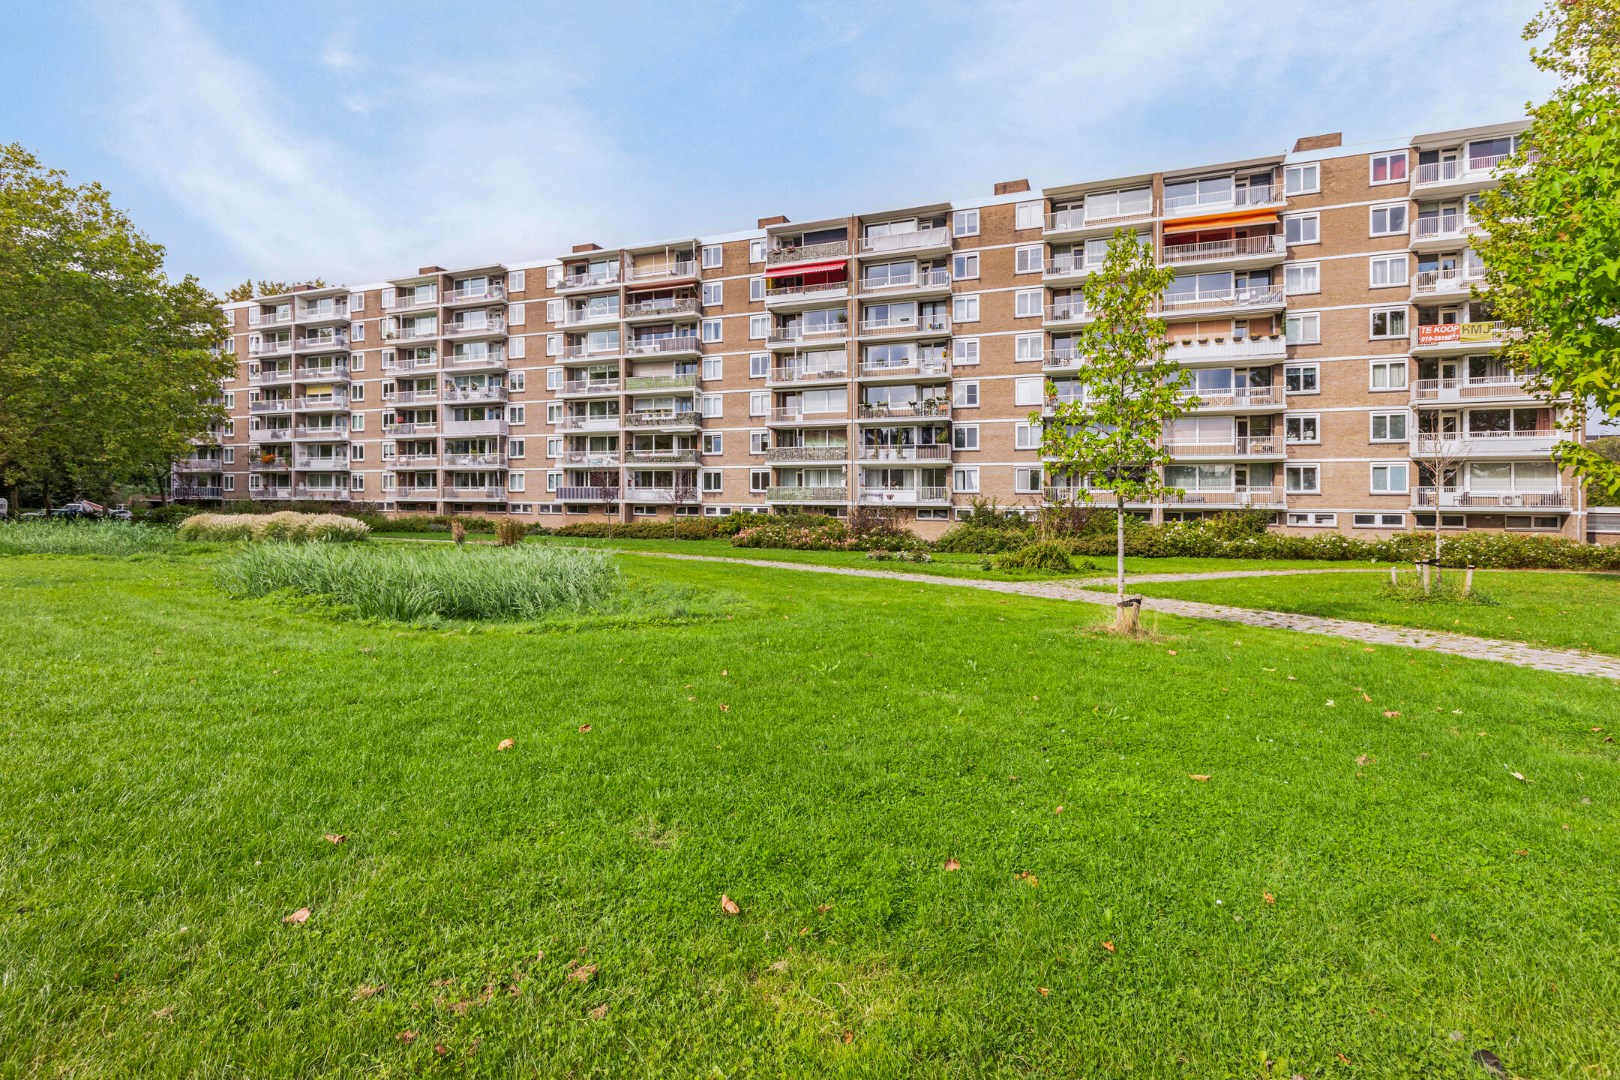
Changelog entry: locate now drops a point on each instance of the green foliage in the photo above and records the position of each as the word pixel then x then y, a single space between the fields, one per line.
pixel 433 523
pixel 1041 555
pixel 171 514
pixel 985 514
pixel 287 526
pixel 903 555
pixel 106 372
pixel 423 582
pixel 693 528
pixel 509 531
pixel 971 539
pixel 1446 589
pixel 247 290
pixel 81 538
pixel 1551 244
pixel 817 532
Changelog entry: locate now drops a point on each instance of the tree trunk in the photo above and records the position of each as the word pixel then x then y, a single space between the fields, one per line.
pixel 1119 534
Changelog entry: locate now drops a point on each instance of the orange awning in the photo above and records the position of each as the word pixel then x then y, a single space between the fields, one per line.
pixel 1219 221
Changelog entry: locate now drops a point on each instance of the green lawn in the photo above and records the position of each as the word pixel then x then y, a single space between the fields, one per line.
pixel 816 751
pixel 1567 610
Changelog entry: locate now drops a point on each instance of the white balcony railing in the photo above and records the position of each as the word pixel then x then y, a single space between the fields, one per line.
pixel 588 316
pixel 1232 198
pixel 680 343
pixel 778 455
pixel 1492 500
pixel 1216 250
pixel 938 236
pixel 670 306
pixel 1243 296
pixel 589 279
pixel 807 494
pixel 681 269
pixel 903 453
pixel 1267 347
pixel 588 493
pixel 1487 386
pixel 1453 280
pixel 491 292
pixel 903 496
pixel 907 324
pixel 785 252
pixel 786 335
pixel 465 329
pixel 1240 446
pixel 924 279
pixel 1235 397
pixel 917 366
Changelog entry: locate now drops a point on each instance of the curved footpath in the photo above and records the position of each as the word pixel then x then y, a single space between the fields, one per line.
pixel 1567 661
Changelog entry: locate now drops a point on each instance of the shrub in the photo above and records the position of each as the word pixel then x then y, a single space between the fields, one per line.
pixel 819 533
pixel 436 523
pixel 972 539
pixel 902 555
pixel 285 526
pixel 115 538
pixel 509 532
pixel 418 582
pixel 1041 555
pixel 984 514
pixel 689 528
pixel 171 515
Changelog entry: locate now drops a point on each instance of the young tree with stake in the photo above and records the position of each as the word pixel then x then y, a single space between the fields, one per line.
pixel 1109 435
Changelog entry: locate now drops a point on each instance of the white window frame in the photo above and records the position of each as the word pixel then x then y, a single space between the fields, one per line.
pixel 964 437
pixel 965 223
pixel 714 256
pixel 965 479
pixel 1027 303
pixel 965 302
pixel 1387 467
pixel 1385 208
pixel 1392 365
pixel 759 327
pixel 713 442
pixel 1305 270
pixel 1029 259
pixel 1406 319
pixel 712 331
pixel 1029 348
pixel 1311 319
pixel 965 266
pixel 964 352
pixel 1304 178
pixel 755 484
pixel 1024 212
pixel 712 369
pixel 1029 392
pixel 1372 163
pixel 1300 466
pixel 1372 423
pixel 714 293
pixel 1388 260
pixel 711 481
pixel 962 390
pixel 759 365
pixel 1027 436
pixel 1313 519
pixel 1315 221
pixel 1314 419
pixel 756 250
pixel 756 290
pixel 711 406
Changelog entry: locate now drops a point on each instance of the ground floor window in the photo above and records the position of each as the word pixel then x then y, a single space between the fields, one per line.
pixel 1313 520
pixel 1379 521
pixel 1532 522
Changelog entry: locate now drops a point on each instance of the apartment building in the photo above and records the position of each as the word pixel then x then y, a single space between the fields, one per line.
pixel 1346 379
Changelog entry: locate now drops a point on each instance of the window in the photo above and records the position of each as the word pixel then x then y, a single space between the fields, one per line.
pixel 554 378
pixel 1314 521
pixel 230 483
pixel 759 327
pixel 711 368
pixel 1027 436
pixel 1387 323
pixel 1302 278
pixel 1388 427
pixel 516 281
pixel 1304 328
pixel 1386 270
pixel 1536 522
pixel 554 412
pixel 357 422
pixel 515 413
pixel 964 351
pixel 756 250
pixel 553 276
pixel 711 330
pixel 554 344
pixel 554 311
pixel 228 454
pixel 1301 229
pixel 357 362
pixel 1027 303
pixel 759 403
pixel 1303 179
pixel 714 292
pixel 713 254
pixel 1389 478
pixel 965 479
pixel 965 394
pixel 1379 521
pixel 517 380
pixel 1027 481
pixel 965 437
pixel 1029 391
pixel 230 399
pixel 712 479
pixel 758 441
pixel 1027 347
pixel 357 392
pixel 759 365
pixel 965 223
pixel 519 348
pixel 965 266
pixel 515 481
pixel 1302 479
pixel 357 482
pixel 359 331
pixel 1387 220
pixel 710 405
pixel 1388 168
pixel 1303 428
pixel 554 446
pixel 516 313
pixel 1027 260
pixel 759 480
pixel 756 289
pixel 1029 215
pixel 965 308
pixel 1388 375
pixel 514 448
pixel 714 442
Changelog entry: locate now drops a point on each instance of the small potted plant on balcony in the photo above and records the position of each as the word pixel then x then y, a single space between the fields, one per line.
pixel 267 459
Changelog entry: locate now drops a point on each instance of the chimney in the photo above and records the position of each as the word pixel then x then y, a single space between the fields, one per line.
pixel 767 222
pixel 582 248
pixel 430 270
pixel 1319 142
pixel 304 287
pixel 1009 187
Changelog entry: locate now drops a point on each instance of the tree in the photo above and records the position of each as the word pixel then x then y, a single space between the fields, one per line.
pixel 1108 434
pixel 1552 253
pixel 106 372
pixel 247 290
pixel 1439 455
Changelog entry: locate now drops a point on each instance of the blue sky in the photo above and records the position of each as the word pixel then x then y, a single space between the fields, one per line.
pixel 358 140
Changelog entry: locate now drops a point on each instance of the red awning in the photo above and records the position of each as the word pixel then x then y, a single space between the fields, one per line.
pixel 796 269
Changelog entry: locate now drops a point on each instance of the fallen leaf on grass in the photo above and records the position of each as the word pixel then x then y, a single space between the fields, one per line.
pixel 440 1049
pixel 1328 703
pixel 505 744
pixel 582 973
pixel 1489 1062
pixel 599 1012
pixel 724 672
pixel 584 729
pixel 1366 697
pixel 1342 1058
pixel 1109 945
pixel 335 838
pixel 1434 937
pixel 725 708
pixel 1029 877
pixel 849 1036
pixel 690 697
pixel 1200 777
pixel 1268 898
pixel 1391 713
pixel 1365 760
pixel 1059 810
pixel 1043 991
pixel 1170 652
pixel 163 1013
pixel 298 917
pixel 406 1037
pixel 824 908
pixel 367 991
pixel 1517 775
pixel 729 906
pixel 952 864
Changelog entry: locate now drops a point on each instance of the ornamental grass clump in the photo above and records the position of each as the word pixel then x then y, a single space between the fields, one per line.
pixel 285 526
pixel 116 538
pixel 426 583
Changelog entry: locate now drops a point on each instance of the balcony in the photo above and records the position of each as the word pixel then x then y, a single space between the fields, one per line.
pixel 273 376
pixel 415 492
pixel 661 457
pixel 475 461
pixel 903 453
pixel 588 387
pixel 324 403
pixel 808 494
pixel 1061 360
pixel 1070 264
pixel 322 374
pixel 337 463
pixel 492 293
pixel 1458 175
pixel 1457 281
pixel 412 428
pixel 409 301
pixel 1070 312
pixel 270 406
pixel 802 455
pixel 685 494
pixel 321 343
pixel 412 397
pixel 332 494
pixel 269 435
pixel 582 317
pixel 921 240
pixel 1252 197
pixel 593 351
pixel 277 463
pixel 587 494
pixel 796 373
pixel 665 346
pixel 592 459
pixel 919 367
pixel 904 496
pixel 906 326
pixel 1485 388
pixel 412 461
pixel 788 296
pixel 1240 298
pixel 1243 446
pixel 1223 350
pixel 662 419
pixel 916 410
pixel 476 394
pixel 304 432
pixel 786 254
pixel 427 331
pixel 477 491
pixel 1494 500
pixel 924 281
pixel 1103 217
pixel 488 328
pixel 1236 397
pixel 669 271
pixel 313 316
pixel 1239 498
pixel 270 493
pixel 800 334
pixel 271 347
pixel 589 279
pixel 411 363
pixel 193 464
pixel 1453 338
pixel 197 491
pixel 1486 444
pixel 587 422
pixel 792 414
pixel 1449 230
pixel 661 382
pixel 467 361
pixel 1238 252
pixel 668 307
pixel 454 428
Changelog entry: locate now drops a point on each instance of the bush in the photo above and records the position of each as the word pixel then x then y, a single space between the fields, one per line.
pixel 832 536
pixel 509 531
pixel 972 539
pixel 1042 555
pixel 285 526
pixel 984 514
pixel 682 528
pixel 170 515
pixel 419 582
pixel 903 555
pixel 434 523
pixel 115 538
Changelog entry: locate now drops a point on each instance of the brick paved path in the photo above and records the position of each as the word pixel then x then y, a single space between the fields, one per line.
pixel 1508 652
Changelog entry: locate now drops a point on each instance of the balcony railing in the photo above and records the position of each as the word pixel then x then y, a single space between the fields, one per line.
pixel 336 494
pixel 671 306
pixel 411 363
pixel 827 290
pixel 662 418
pixel 305 431
pixel 1072 262
pixel 589 279
pixel 426 332
pixel 590 386
pixel 266 347
pixel 477 491
pixel 483 358
pixel 1245 296
pixel 328 464
pixel 322 314
pixel 925 279
pixel 476 393
pixel 784 253
pixel 903 453
pixel 1457 169
pixel 938 236
pixel 267 406
pixel 904 411
pixel 1214 250
pixel 279 463
pixel 661 457
pixel 792 414
pixel 1235 397
pixel 197 491
pixel 591 351
pixel 682 494
pixel 321 404
pixel 680 343
pixel 593 459
pixel 684 268
pixel 412 461
pixel 588 422
pixel 1443 226
pixel 907 324
pixel 430 427
pixel 807 494
pixel 793 374
pixel 588 493
pixel 492 292
pixel 1457 279
pixel 475 427
pixel 1268 347
pixel 903 496
pixel 1102 214
pixel 321 343
pixel 199 464
pixel 488 326
pixel 322 374
pixel 269 493
pixel 408 301
pixel 590 316
pixel 274 375
pixel 1233 198
pixel 1241 446
pixel 415 492
pixel 475 461
pixel 1537 443
pixel 1489 386
pixel 661 382
pixel 1264 496
pixel 932 367
pixel 412 397
pixel 1506 500
pixel 1067 311
pixel 786 335
pixel 799 454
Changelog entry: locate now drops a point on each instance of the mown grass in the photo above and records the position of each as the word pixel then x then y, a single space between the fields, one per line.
pixel 1560 609
pixel 172 760
pixel 112 538
pixel 411 584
